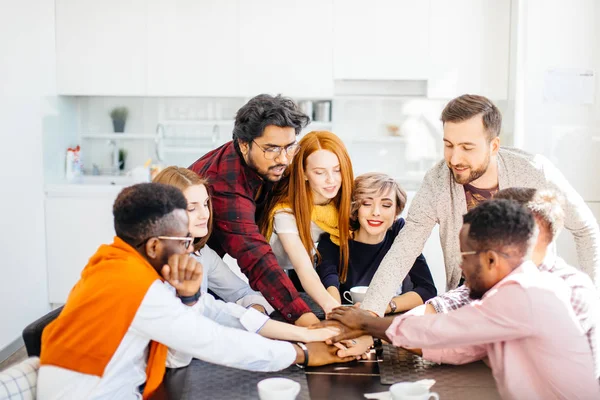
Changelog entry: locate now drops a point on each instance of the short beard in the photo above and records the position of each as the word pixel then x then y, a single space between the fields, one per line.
pixel 265 177
pixel 476 293
pixel 475 173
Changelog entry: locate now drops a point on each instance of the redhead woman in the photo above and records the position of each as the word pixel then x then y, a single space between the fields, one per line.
pixel 313 198
pixel 377 201
pixel 219 278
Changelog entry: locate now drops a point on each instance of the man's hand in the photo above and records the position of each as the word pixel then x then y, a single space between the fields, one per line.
pixel 345 332
pixel 354 319
pixel 184 273
pixel 320 353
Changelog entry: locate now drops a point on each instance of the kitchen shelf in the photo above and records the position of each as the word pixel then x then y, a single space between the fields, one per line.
pixel 382 139
pixel 119 136
pixel 188 150
pixel 210 122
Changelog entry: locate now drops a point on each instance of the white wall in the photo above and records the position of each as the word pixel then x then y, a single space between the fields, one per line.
pixel 563 35
pixel 28 104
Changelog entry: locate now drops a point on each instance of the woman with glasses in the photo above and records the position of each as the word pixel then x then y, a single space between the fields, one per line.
pixel 313 198
pixel 217 276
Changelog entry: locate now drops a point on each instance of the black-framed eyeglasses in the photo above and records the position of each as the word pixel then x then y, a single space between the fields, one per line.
pixel 474 252
pixel 186 241
pixel 272 153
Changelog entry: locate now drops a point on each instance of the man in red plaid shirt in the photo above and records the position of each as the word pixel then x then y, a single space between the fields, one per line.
pixel 549 216
pixel 242 173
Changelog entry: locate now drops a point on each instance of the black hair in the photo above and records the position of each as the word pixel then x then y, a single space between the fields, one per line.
pixel 263 110
pixel 499 223
pixel 144 210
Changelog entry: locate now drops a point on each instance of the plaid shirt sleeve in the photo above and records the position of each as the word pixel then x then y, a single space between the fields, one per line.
pixel 238 235
pixel 451 300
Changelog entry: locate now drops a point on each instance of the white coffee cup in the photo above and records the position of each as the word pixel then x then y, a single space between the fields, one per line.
pixel 356 293
pixel 278 389
pixel 412 391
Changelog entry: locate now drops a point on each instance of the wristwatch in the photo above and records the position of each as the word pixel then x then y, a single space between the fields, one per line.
pixel 393 306
pixel 190 299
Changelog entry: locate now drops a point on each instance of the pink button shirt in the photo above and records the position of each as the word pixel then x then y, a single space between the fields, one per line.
pixel 525 325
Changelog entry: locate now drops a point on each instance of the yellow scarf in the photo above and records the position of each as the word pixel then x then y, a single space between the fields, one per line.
pixel 326 217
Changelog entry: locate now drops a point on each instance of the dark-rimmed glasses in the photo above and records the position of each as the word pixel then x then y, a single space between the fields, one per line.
pixel 272 153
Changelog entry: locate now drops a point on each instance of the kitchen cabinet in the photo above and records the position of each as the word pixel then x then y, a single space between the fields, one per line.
pixel 286 47
pixel 78 220
pixel 193 48
pixel 101 47
pixel 469 48
pixel 380 39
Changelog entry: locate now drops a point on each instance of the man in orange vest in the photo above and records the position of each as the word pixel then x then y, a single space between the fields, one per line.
pixel 136 310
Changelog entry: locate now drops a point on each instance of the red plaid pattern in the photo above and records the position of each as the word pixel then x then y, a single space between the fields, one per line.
pixel 234 187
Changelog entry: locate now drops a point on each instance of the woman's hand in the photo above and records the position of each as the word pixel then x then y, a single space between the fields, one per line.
pixel 320 334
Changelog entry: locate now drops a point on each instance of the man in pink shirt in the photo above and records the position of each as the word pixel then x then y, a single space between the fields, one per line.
pixel 522 320
pixel 549 216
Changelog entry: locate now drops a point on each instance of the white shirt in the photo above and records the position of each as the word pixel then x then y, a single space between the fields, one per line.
pixel 218 277
pixel 211 330
pixel 285 222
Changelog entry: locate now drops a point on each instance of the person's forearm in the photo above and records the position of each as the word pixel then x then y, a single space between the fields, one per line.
pixel 282 331
pixel 376 326
pixel 335 293
pixel 406 301
pixel 315 289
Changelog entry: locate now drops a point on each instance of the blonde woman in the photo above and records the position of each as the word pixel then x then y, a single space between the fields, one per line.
pixel 377 201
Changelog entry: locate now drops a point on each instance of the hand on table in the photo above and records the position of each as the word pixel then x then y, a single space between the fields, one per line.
pixel 184 273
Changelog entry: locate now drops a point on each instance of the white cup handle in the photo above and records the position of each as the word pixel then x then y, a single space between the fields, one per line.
pixel 349 299
pixel 434 396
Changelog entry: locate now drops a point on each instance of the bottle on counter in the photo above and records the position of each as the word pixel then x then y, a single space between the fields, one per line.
pixel 73 167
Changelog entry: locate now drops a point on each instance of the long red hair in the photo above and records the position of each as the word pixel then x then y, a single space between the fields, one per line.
pixel 295 190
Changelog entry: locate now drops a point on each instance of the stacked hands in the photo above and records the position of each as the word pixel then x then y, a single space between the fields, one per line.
pixel 352 339
pixel 184 273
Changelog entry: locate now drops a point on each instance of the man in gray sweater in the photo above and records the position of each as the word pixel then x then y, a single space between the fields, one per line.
pixel 474 168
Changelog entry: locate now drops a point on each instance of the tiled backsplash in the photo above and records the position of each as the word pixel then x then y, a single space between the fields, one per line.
pixel 399 136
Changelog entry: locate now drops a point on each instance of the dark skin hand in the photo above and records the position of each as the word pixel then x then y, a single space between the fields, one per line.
pixel 320 354
pixel 358 322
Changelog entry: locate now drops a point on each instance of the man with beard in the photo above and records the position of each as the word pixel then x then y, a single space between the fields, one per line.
pixel 522 319
pixel 242 173
pixel 474 168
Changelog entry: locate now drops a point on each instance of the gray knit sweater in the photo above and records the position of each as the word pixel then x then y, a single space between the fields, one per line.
pixel 440 200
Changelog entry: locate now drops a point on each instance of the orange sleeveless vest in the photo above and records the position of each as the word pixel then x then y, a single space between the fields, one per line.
pixel 98 313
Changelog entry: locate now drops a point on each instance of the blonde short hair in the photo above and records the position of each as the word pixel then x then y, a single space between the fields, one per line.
pixel 374 184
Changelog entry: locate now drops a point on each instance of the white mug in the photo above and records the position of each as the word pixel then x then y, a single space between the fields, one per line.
pixel 412 391
pixel 356 293
pixel 278 389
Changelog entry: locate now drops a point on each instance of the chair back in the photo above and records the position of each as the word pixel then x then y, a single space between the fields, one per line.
pixel 32 334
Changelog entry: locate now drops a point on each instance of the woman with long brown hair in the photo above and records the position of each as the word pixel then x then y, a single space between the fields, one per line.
pixel 217 275
pixel 219 278
pixel 313 198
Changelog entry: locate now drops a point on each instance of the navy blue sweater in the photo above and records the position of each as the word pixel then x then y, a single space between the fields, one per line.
pixel 364 261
